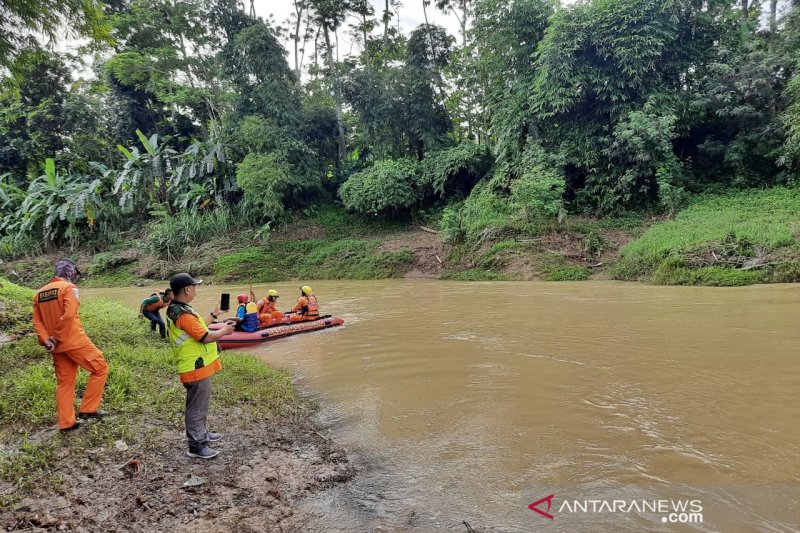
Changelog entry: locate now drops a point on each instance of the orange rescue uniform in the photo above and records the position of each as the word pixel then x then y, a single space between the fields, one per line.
pixel 55 314
pixel 268 313
pixel 306 308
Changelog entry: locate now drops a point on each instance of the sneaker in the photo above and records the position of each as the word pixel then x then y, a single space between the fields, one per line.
pixel 214 437
pixel 73 427
pixel 205 453
pixel 97 414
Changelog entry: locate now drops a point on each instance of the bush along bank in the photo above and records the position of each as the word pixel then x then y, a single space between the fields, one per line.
pixel 742 238
pixel 130 468
pixel 739 239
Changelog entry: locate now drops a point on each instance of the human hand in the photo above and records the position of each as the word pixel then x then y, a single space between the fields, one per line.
pixel 51 343
pixel 218 311
pixel 227 329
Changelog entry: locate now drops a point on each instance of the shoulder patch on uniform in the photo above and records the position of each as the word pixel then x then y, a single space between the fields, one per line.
pixel 77 293
pixel 176 309
pixel 49 294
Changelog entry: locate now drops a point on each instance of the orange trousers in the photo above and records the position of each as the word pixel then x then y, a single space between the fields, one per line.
pixel 66 366
pixel 266 319
pixel 301 318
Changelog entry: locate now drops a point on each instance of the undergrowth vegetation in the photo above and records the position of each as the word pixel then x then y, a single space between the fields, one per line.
pixel 142 388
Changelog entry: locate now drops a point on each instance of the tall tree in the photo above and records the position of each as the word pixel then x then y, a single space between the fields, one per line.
pixel 23 22
pixel 329 15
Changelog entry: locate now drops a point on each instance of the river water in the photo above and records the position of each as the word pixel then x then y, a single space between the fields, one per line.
pixel 463 403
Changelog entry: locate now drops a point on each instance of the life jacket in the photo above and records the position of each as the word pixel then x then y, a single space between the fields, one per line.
pixel 250 322
pixel 55 313
pixel 189 354
pixel 311 309
pixel 159 305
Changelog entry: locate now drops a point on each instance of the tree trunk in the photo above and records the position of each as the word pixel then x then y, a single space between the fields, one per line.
pixel 773 16
pixel 386 17
pixel 342 150
pixel 299 12
pixel 743 12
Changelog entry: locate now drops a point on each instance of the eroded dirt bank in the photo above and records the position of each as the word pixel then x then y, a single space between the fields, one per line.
pixel 255 484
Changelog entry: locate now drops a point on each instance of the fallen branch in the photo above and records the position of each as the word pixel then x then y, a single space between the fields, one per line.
pixel 597 265
pixel 428 230
pixel 438 259
pixel 751 267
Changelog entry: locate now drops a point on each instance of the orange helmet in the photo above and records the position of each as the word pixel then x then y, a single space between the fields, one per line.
pixel 242 298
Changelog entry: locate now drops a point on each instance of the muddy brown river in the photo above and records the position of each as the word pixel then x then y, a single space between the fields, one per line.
pixel 617 407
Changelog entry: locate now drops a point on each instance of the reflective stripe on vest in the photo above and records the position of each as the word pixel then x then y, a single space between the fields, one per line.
pixel 190 354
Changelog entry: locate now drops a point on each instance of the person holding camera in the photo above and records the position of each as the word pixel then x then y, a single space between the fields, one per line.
pixel 197 359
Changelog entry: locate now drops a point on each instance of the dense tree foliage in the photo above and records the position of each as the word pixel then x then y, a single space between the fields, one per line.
pixel 532 110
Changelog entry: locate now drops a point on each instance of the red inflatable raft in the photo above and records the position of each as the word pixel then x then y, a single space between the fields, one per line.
pixel 239 339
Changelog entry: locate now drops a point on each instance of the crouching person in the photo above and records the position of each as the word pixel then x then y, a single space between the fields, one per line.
pixel 197 360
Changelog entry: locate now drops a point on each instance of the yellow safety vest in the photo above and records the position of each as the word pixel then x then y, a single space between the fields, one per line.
pixel 190 354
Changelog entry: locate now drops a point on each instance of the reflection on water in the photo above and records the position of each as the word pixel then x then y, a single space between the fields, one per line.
pixel 461 399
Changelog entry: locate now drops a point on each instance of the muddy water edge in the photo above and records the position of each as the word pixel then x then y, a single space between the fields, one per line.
pixel 465 402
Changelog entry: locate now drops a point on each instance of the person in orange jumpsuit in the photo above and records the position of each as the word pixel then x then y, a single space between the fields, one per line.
pixel 59 328
pixel 268 313
pixel 306 307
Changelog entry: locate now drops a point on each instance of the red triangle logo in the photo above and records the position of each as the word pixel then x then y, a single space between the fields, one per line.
pixel 549 500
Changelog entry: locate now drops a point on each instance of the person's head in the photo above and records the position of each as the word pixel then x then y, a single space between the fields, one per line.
pixel 184 287
pixel 242 298
pixel 272 295
pixel 168 295
pixel 305 290
pixel 67 270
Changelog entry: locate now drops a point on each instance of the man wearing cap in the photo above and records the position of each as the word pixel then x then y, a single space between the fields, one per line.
pixel 59 328
pixel 197 360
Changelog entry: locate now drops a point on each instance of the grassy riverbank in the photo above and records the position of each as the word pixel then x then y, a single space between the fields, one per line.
pixel 737 239
pixel 255 406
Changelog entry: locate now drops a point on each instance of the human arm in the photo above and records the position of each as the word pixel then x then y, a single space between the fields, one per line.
pixel 147 301
pixel 302 302
pixel 213 315
pixel 69 303
pixel 195 329
pixel 38 325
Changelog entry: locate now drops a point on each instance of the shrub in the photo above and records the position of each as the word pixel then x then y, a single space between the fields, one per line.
pixel 387 187
pixel 268 182
pixel 455 171
pixel 170 237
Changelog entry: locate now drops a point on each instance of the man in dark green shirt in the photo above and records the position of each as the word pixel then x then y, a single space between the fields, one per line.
pixel 151 308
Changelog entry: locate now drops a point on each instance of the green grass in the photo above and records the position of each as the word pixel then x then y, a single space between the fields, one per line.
pixel 113 277
pixel 339 224
pixel 142 387
pixel 475 274
pixel 313 259
pixel 16 304
pixel 769 219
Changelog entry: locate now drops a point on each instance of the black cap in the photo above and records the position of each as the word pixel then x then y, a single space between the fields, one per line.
pixel 179 281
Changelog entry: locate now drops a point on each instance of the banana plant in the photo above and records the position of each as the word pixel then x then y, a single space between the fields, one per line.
pixel 204 175
pixel 56 203
pixel 142 184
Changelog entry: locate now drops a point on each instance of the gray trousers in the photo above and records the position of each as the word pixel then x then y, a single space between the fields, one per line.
pixel 198 395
